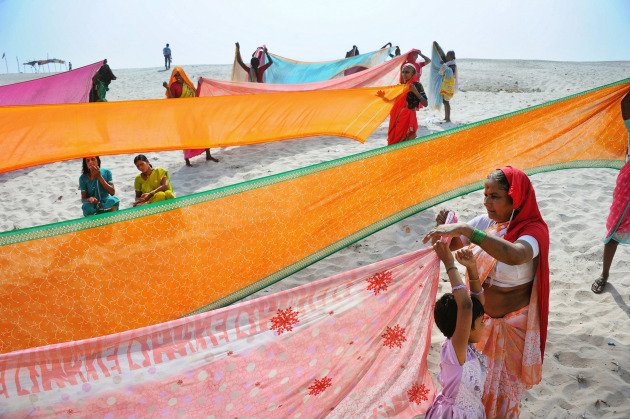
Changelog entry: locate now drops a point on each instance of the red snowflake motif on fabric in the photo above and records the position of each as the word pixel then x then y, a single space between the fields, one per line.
pixel 180 382
pixel 394 336
pixel 379 281
pixel 417 393
pixel 331 313
pixel 230 353
pixel 284 320
pixel 257 383
pixel 319 386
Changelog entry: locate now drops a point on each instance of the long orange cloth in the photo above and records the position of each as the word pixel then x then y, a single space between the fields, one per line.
pixel 63 132
pixel 99 275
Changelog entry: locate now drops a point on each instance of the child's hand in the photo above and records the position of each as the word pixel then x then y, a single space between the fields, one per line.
pixel 466 258
pixel 444 253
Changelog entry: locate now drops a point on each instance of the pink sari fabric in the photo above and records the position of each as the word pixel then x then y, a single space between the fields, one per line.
pixel 618 222
pixel 352 345
pixel 386 74
pixel 511 345
pixel 67 87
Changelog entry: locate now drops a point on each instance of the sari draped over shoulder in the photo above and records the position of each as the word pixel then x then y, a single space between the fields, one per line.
pixel 403 122
pixel 515 343
pixel 188 90
pixel 618 222
pixel 153 182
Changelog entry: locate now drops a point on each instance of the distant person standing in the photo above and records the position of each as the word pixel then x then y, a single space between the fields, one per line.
pixel 69 66
pixel 167 57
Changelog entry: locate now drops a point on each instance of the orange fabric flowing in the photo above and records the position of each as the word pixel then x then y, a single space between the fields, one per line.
pixel 94 276
pixel 63 132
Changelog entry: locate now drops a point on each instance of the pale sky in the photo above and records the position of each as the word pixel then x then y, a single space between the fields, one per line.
pixel 132 33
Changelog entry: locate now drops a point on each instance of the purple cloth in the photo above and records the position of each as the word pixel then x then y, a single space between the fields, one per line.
pixel 67 87
pixel 462 385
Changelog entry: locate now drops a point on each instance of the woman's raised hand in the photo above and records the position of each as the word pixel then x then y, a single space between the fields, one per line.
pixel 466 258
pixel 444 253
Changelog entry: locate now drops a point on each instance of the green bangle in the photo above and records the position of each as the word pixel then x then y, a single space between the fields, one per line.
pixel 477 236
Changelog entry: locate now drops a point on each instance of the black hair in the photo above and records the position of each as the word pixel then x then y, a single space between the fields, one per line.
pixel 143 158
pixel 445 313
pixel 86 171
pixel 451 52
pixel 413 101
pixel 166 44
pixel 255 62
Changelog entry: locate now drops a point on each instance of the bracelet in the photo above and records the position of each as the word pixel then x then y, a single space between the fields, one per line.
pixel 458 287
pixel 452 267
pixel 477 236
pixel 473 279
pixel 477 293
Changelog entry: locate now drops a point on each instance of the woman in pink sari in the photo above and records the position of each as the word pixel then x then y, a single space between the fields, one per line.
pixel 511 246
pixel 618 222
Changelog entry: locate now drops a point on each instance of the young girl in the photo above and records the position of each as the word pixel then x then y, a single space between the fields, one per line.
pixel 460 318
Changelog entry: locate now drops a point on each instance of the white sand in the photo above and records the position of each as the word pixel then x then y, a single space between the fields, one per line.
pixel 574 203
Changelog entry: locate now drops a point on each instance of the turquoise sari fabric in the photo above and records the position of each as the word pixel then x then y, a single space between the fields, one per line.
pixel 286 71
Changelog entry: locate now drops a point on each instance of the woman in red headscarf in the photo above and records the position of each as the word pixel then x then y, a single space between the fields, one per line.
pixel 403 123
pixel 511 246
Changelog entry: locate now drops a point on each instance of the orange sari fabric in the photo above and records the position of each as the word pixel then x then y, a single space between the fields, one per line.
pixel 303 215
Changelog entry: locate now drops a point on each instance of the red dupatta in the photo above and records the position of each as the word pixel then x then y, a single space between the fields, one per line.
pixel 528 221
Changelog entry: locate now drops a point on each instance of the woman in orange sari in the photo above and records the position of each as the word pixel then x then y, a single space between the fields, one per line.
pixel 180 86
pixel 511 246
pixel 403 123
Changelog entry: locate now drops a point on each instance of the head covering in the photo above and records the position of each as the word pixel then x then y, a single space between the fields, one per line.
pixel 182 73
pixel 414 78
pixel 529 222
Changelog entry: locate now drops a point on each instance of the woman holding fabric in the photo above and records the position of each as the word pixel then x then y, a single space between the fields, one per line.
pixel 97 188
pixel 511 246
pixel 180 86
pixel 403 123
pixel 151 185
pixel 444 80
pixel 618 222
pixel 255 71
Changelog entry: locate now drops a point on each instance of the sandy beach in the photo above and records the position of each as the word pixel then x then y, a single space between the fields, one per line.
pixel 586 371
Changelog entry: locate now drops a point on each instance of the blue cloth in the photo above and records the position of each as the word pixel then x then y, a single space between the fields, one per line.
pixel 94 189
pixel 284 71
pixel 435 80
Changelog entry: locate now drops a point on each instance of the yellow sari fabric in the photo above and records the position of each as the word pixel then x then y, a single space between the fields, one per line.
pixel 153 182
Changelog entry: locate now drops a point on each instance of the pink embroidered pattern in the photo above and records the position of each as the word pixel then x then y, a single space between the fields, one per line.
pixel 284 320
pixel 394 336
pixel 417 393
pixel 379 281
pixel 319 386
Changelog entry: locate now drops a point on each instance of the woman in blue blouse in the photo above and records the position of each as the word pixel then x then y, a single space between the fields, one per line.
pixel 97 188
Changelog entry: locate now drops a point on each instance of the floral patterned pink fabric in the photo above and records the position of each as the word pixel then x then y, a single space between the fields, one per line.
pixel 353 345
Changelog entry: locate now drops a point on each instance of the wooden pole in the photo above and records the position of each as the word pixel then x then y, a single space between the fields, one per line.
pixel 18 63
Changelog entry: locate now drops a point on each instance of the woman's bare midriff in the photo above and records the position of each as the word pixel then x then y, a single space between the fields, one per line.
pixel 502 300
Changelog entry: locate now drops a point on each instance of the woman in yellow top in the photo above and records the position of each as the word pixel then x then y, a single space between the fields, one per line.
pixel 151 185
